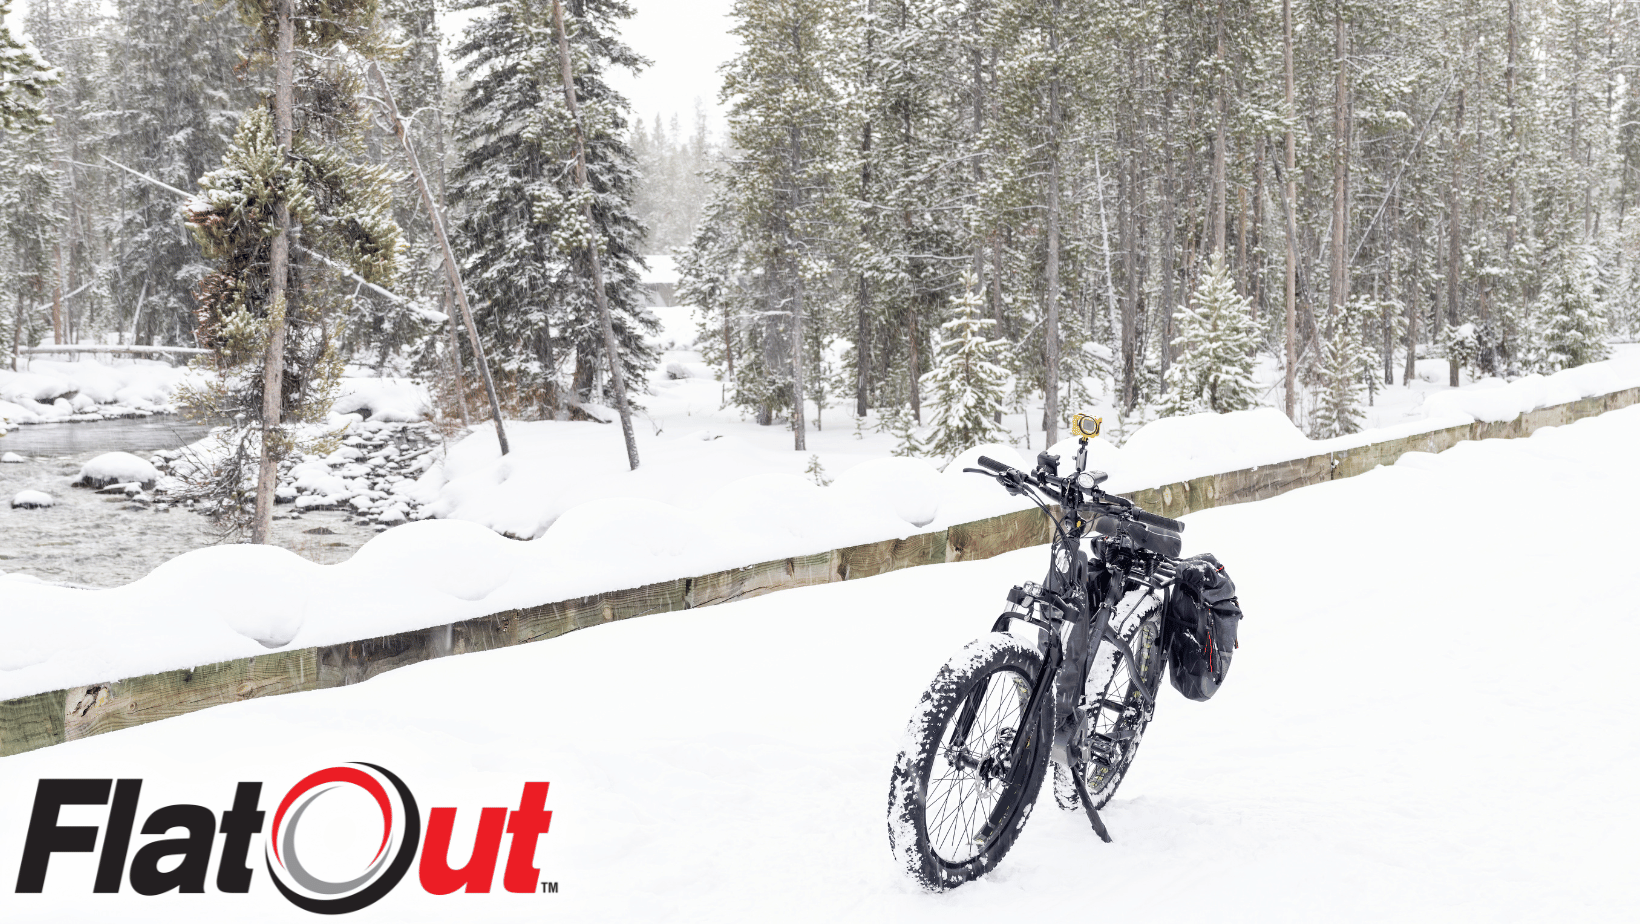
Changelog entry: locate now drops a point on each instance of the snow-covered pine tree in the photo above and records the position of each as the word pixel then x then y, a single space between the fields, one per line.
pixel 1214 370
pixel 968 386
pixel 1345 363
pixel 340 218
pixel 1570 327
pixel 178 105
pixel 30 199
pixel 518 239
pixel 784 122
pixel 24 80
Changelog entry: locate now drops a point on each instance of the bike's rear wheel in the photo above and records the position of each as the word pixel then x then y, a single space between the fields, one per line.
pixel 956 802
pixel 1117 712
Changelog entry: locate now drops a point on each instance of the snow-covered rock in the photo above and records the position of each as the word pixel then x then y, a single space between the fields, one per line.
pixel 32 500
pixel 383 400
pixel 12 458
pixel 117 468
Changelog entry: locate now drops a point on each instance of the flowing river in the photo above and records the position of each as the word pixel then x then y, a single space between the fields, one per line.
pixel 98 540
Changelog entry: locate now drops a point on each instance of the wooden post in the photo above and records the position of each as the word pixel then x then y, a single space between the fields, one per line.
pixel 617 375
pixel 451 270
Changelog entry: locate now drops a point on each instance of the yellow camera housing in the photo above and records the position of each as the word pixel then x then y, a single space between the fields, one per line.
pixel 1085 427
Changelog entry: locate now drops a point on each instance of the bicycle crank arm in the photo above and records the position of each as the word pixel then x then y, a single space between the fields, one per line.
pixel 1087 803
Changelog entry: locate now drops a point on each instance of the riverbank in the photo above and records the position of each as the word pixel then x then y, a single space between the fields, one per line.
pixel 98 540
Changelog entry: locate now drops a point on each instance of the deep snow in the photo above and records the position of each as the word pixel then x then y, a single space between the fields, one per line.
pixel 1402 736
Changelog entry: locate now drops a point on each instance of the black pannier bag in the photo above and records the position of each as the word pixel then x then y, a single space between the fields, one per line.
pixel 1200 631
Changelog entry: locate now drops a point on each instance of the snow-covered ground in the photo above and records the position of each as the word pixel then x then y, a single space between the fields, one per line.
pixel 692 446
pixel 1402 736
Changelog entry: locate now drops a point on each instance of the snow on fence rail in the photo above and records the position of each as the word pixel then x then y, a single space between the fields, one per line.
pixel 44 719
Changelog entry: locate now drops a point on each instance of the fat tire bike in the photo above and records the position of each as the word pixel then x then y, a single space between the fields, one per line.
pixel 1068 675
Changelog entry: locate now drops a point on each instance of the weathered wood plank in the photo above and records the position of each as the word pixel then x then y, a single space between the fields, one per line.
pixel 761 578
pixel 355 662
pixel 104 707
pixel 550 620
pixel 31 722
pixel 1202 493
pixel 993 536
pixel 874 558
pixel 1264 481
pixel 650 598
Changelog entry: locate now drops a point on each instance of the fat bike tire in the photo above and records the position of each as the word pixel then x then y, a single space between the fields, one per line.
pixel 954 812
pixel 1118 715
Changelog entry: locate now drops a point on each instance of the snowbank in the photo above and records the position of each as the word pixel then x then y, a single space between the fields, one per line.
pixel 87 390
pixel 51 392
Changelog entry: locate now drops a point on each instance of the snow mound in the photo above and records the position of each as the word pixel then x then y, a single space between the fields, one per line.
pixel 32 500
pixel 384 400
pixel 911 488
pixel 117 468
pixel 11 458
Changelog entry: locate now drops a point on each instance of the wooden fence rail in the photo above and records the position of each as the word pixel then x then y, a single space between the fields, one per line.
pixel 45 719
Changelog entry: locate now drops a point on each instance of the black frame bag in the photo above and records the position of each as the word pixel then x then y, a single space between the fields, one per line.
pixel 1200 634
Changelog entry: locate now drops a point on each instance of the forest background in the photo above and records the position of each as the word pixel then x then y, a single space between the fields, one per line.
pixel 920 210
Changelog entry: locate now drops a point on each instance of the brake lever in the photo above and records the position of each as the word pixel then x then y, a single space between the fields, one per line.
pixel 1012 482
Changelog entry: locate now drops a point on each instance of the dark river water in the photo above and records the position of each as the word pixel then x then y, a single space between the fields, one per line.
pixel 97 540
pixel 135 434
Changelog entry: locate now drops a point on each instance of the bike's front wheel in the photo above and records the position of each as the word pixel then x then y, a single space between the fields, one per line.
pixel 958 797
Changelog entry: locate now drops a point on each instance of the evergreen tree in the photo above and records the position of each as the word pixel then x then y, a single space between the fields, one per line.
pixel 1214 371
pixel 968 385
pixel 784 124
pixel 24 80
pixel 30 198
pixel 1571 329
pixel 267 329
pixel 178 107
pixel 522 221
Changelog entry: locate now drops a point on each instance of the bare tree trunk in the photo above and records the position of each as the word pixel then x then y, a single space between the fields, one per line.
pixel 862 359
pixel 1339 291
pixel 452 271
pixel 916 371
pixel 1514 141
pixel 1220 197
pixel 799 421
pixel 57 333
pixel 1454 262
pixel 1130 304
pixel 1170 248
pixel 1256 271
pixel 273 373
pixel 1050 324
pixel 1289 199
pixel 617 373
pixel 457 380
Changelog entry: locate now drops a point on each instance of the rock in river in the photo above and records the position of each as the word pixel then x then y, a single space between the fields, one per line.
pixel 32 500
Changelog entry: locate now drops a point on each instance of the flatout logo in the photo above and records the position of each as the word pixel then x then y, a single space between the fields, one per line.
pixel 182 864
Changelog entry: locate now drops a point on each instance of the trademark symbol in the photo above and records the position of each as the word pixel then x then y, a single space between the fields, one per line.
pixel 549 888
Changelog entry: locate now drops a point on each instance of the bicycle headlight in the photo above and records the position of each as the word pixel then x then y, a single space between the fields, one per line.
pixel 1085 427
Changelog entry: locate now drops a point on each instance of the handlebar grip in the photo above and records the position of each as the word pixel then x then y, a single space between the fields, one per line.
pixel 1145 516
pixel 993 464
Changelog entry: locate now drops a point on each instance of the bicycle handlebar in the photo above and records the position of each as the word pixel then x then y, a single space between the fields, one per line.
pixel 1128 507
pixel 1156 519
